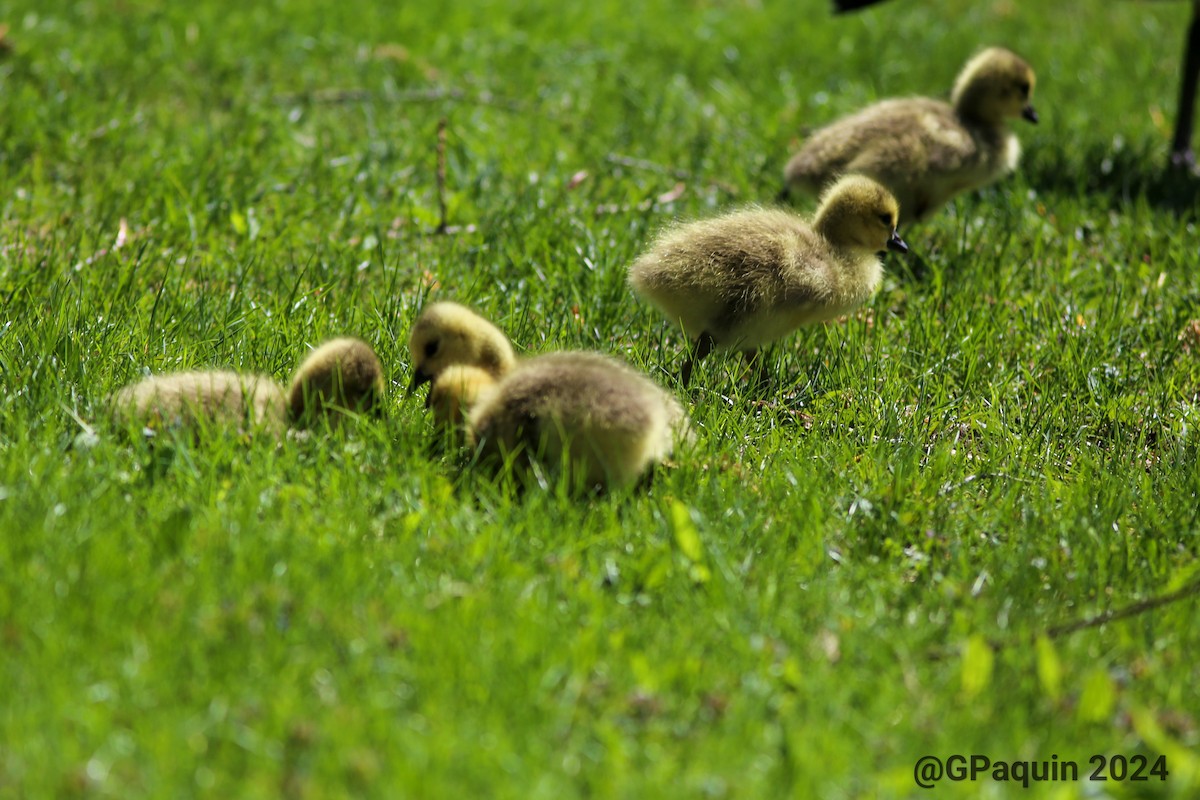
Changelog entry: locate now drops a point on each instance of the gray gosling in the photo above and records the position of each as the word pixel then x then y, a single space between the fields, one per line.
pixel 744 279
pixel 341 376
pixel 926 151
pixel 216 397
pixel 448 333
pixel 593 415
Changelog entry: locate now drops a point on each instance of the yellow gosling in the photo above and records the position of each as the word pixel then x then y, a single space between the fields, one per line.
pixel 456 390
pixel 341 376
pixel 744 279
pixel 597 417
pixel 448 333
pixel 217 397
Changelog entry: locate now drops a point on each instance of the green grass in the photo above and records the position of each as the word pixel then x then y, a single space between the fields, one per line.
pixel 1000 444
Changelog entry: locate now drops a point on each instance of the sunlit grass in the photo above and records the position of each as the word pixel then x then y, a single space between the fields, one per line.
pixel 1002 442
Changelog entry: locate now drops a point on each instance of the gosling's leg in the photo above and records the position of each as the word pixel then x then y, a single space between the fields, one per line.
pixel 704 346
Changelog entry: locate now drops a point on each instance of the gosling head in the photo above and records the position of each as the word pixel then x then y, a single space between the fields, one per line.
pixel 455 391
pixel 447 334
pixel 858 214
pixel 994 86
pixel 340 375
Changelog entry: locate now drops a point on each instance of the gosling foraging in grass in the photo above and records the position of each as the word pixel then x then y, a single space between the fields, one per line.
pixel 214 397
pixel 448 333
pixel 926 151
pixel 456 390
pixel 746 278
pixel 596 416
pixel 342 375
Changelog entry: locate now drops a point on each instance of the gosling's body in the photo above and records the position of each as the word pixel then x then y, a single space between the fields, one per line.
pixel 342 375
pixel 218 397
pixel 448 333
pixel 916 147
pixel 750 277
pixel 606 422
pixel 927 151
pixel 744 279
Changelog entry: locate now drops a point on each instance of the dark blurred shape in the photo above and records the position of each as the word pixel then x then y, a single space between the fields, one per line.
pixel 1181 145
pixel 851 5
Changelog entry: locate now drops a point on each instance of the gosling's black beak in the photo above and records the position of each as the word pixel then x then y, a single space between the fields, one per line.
pixel 896 243
pixel 1028 113
pixel 418 379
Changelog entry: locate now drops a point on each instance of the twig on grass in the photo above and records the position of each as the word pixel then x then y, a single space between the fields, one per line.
pixel 444 228
pixel 1064 629
pixel 678 174
pixel 441 175
pixel 1132 610
pixel 334 96
pixel 948 487
pixel 324 96
pixel 676 192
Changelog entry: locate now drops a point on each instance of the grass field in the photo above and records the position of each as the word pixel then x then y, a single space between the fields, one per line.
pixel 863 564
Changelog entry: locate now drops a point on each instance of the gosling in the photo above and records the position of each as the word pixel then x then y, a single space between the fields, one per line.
pixel 602 421
pixel 457 389
pixel 927 151
pixel 744 279
pixel 448 333
pixel 190 399
pixel 341 376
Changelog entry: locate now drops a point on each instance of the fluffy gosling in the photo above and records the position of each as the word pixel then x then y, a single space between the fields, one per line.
pixel 195 398
pixel 342 375
pixel 455 391
pixel 746 278
pixel 599 418
pixel 448 333
pixel 926 151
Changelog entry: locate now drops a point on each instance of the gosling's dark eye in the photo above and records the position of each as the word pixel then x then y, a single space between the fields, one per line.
pixel 1023 87
pixel 431 348
pixel 886 219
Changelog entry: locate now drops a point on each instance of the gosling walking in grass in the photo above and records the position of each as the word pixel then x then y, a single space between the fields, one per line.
pixel 744 279
pixel 927 151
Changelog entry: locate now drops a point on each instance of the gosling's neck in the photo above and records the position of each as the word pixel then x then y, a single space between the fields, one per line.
pixel 975 110
pixel 497 358
pixel 830 222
